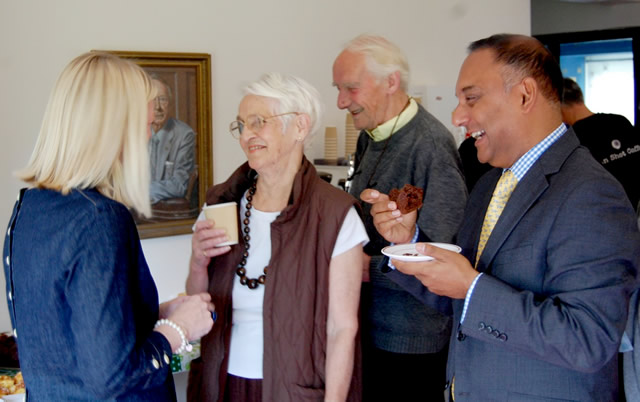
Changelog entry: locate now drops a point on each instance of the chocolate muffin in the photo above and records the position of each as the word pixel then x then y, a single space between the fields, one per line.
pixel 408 199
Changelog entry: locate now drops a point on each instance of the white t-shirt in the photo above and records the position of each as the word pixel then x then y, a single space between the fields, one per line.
pixel 246 350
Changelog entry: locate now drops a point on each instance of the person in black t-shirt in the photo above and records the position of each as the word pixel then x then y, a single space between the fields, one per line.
pixel 611 138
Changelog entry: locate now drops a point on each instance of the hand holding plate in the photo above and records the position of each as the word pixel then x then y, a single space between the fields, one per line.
pixel 448 273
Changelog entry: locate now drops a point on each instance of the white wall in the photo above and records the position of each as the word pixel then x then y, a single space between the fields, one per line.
pixel 553 16
pixel 245 39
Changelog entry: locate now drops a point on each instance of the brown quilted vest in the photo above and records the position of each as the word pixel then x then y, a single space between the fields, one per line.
pixel 296 294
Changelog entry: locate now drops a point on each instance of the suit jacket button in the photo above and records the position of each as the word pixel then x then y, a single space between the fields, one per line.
pixel 495 333
pixel 481 326
pixel 461 337
pixel 503 337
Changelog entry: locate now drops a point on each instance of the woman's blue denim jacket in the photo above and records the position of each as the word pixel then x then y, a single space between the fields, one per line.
pixel 82 301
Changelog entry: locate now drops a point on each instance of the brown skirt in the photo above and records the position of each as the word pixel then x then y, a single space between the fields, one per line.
pixel 239 389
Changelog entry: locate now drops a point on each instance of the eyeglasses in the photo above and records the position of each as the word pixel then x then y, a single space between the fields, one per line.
pixel 162 100
pixel 254 122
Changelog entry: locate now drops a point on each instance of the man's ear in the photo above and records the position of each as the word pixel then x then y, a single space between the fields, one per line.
pixel 393 82
pixel 529 92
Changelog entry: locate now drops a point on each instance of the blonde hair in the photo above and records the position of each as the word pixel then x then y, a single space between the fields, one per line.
pixel 94 132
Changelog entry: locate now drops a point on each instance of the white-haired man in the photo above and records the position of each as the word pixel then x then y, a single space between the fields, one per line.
pixel 405 341
pixel 171 148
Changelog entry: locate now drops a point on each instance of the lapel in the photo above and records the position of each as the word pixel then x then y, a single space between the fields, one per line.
pixel 532 186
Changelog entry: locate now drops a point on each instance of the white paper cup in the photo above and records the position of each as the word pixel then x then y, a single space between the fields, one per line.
pixel 224 216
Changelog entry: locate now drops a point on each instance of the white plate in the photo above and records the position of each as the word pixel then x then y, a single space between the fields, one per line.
pixel 408 252
pixel 13 397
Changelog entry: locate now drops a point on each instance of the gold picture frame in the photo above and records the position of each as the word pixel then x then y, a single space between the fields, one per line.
pixel 187 79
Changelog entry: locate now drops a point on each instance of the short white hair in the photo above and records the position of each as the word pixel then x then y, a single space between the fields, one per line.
pixel 94 132
pixel 383 58
pixel 291 94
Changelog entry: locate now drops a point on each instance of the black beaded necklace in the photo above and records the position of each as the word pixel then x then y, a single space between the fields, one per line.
pixel 241 271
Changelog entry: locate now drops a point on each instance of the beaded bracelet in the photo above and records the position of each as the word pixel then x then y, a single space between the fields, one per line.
pixel 185 345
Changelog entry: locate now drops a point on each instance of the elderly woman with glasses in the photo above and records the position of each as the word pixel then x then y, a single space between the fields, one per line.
pixel 288 305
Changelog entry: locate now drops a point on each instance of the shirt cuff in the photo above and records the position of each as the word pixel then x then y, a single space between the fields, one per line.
pixel 415 239
pixel 625 344
pixel 468 297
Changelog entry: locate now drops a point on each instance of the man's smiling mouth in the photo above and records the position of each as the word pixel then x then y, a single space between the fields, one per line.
pixel 477 134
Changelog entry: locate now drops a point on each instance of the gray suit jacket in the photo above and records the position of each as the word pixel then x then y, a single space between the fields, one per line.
pixel 546 318
pixel 172 161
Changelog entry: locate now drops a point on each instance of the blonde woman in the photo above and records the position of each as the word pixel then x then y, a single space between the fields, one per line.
pixel 82 301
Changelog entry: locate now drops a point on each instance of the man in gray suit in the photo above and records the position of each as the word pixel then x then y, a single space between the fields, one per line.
pixel 539 314
pixel 171 149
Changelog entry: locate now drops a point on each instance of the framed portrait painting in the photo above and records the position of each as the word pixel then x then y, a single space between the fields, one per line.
pixel 180 149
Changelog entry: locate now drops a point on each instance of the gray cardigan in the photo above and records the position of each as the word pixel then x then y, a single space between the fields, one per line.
pixel 422 153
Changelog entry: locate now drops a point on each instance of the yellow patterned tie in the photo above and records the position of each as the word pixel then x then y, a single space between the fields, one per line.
pixel 499 199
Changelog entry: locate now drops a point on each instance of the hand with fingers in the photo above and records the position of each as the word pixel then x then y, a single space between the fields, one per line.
pixel 194 314
pixel 186 319
pixel 448 274
pixel 387 218
pixel 204 244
